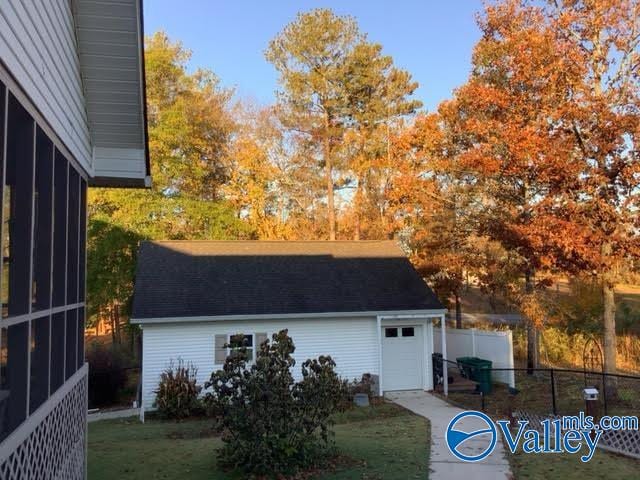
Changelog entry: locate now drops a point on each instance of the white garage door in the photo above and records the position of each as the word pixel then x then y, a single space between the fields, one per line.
pixel 402 358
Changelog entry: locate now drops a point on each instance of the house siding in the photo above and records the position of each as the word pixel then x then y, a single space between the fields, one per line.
pixel 352 342
pixel 38 46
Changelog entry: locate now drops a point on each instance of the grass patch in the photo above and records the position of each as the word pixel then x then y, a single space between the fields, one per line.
pixel 570 467
pixel 388 442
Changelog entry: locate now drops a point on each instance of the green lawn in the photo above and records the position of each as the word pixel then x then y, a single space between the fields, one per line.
pixel 564 466
pixel 382 442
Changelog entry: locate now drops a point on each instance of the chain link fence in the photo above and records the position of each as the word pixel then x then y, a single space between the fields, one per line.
pixel 544 391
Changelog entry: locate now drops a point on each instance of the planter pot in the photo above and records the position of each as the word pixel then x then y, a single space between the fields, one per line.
pixel 361 399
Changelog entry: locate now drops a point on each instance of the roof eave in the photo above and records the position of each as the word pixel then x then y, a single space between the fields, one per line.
pixel 292 316
pixel 120 158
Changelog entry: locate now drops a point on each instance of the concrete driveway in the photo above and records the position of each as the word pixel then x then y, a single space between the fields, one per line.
pixel 444 465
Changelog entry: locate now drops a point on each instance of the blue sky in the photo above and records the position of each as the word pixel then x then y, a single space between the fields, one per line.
pixel 432 39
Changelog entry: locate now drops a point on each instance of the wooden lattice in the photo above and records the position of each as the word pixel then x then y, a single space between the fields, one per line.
pixel 55 448
pixel 624 442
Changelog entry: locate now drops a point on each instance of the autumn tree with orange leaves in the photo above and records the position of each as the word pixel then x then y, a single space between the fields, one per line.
pixel 433 208
pixel 590 221
pixel 547 126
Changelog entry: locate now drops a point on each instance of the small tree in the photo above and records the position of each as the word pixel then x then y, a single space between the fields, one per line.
pixel 271 424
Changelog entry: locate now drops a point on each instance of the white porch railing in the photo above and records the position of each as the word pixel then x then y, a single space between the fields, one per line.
pixel 51 443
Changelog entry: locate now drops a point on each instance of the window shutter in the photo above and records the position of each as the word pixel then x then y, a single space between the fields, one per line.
pixel 220 349
pixel 260 339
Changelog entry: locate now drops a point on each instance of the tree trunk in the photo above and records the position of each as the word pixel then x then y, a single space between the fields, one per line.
pixel 116 316
pixel 532 331
pixel 113 325
pixel 331 213
pixel 609 330
pixel 458 312
pixel 532 347
pixel 609 327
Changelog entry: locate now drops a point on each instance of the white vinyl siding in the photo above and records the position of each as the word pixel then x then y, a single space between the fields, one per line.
pixel 38 46
pixel 352 342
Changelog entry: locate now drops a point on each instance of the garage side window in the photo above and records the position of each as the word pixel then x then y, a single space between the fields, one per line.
pixel 238 341
pixel 226 345
pixel 390 332
pixel 408 332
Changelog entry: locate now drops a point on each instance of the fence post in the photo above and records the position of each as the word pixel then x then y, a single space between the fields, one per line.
pixel 553 393
pixel 604 392
pixel 473 342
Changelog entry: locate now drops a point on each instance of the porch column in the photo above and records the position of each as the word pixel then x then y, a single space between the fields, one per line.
pixel 445 380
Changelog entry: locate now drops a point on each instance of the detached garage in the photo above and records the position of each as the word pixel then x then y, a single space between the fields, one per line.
pixel 361 302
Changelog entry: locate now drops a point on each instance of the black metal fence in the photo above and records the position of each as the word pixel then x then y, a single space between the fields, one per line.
pixel 545 391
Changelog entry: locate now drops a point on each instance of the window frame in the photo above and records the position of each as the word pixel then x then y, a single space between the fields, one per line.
pixel 413 332
pixel 389 329
pixel 231 349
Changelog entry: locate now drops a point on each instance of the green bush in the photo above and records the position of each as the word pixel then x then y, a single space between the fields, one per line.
pixel 271 424
pixel 178 390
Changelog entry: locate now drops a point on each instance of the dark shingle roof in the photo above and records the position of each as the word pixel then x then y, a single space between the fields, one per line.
pixel 211 278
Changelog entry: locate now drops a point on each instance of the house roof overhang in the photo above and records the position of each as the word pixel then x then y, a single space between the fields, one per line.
pixel 392 314
pixel 110 38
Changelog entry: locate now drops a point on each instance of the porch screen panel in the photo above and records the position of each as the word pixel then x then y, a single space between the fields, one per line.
pixel 14 379
pixel 60 230
pixel 42 280
pixel 57 351
pixel 71 350
pixel 39 375
pixel 73 220
pixel 43 223
pixel 83 241
pixel 18 207
pixel 80 331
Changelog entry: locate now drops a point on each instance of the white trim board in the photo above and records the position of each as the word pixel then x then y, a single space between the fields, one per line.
pixel 391 314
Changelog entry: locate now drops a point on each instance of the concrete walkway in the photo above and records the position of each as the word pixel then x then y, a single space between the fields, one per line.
pixel 445 466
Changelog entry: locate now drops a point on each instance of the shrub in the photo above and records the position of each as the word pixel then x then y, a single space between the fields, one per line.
pixel 107 373
pixel 271 424
pixel 178 390
pixel 319 395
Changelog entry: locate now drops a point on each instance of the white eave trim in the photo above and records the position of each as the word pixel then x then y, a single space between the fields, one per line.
pixel 396 314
